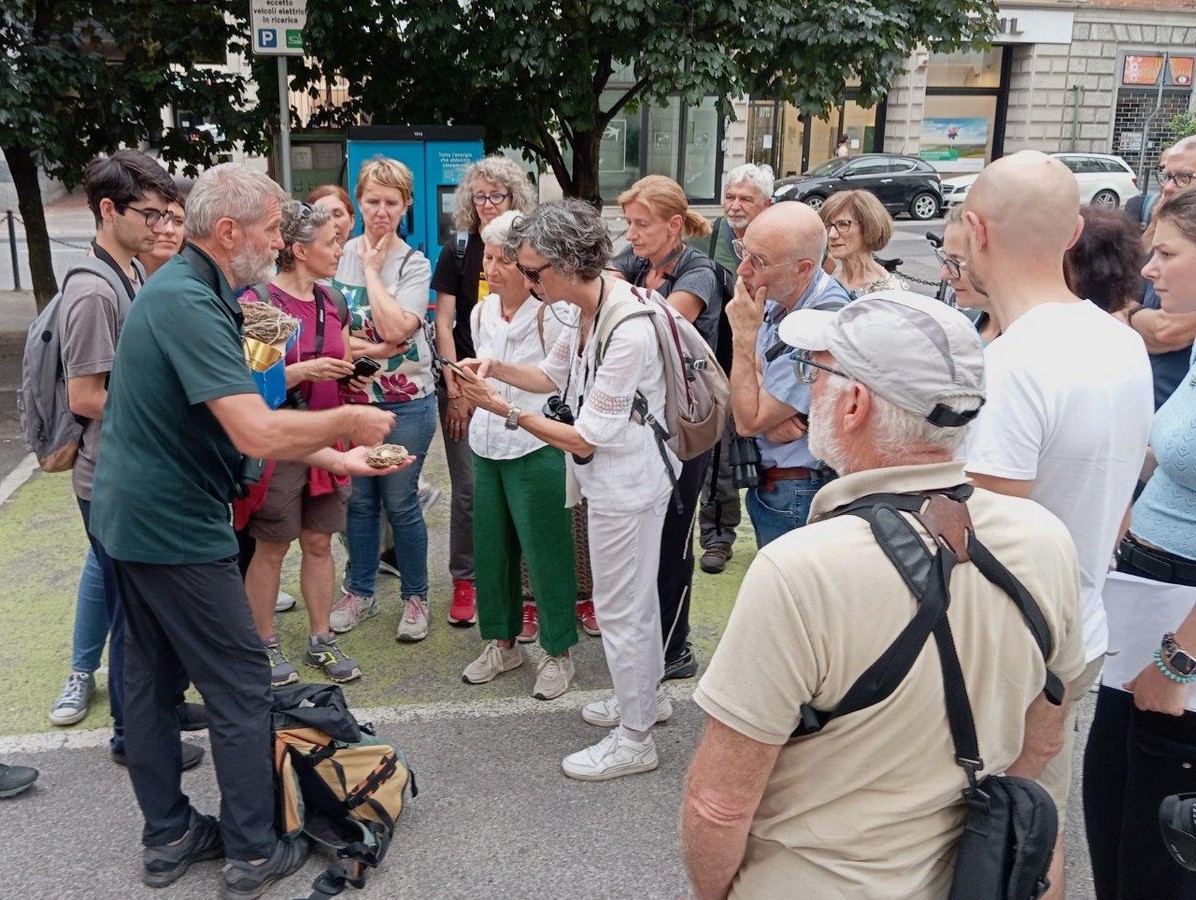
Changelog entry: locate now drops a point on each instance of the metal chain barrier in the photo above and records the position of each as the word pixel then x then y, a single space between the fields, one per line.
pixel 53 240
pixel 915 279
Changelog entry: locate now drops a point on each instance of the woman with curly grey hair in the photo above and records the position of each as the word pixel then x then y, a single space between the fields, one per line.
pixel 560 250
pixel 489 188
pixel 300 502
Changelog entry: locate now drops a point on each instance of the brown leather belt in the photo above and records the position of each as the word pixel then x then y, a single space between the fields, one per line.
pixel 794 473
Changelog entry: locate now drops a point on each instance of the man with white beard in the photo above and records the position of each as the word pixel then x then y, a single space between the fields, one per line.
pixel 871 804
pixel 182 428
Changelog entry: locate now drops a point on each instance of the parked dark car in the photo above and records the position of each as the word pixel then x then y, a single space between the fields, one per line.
pixel 904 184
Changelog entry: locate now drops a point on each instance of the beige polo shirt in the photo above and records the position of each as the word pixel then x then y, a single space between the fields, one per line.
pixel 871 806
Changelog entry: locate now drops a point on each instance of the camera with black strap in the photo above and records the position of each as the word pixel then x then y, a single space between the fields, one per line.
pixel 1009 835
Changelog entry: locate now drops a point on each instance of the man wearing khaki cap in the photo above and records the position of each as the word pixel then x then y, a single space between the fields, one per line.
pixel 871 805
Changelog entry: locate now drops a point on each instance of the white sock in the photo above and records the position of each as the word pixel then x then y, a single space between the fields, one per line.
pixel 632 735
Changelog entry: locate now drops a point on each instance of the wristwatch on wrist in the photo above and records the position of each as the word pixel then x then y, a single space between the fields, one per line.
pixel 1176 658
pixel 513 423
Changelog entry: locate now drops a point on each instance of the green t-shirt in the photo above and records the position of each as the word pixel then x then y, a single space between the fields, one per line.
pixel 723 254
pixel 167 473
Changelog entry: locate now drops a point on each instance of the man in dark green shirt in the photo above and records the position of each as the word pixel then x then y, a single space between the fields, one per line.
pixel 183 415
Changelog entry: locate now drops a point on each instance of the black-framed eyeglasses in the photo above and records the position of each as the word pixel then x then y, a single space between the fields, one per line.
pixel 807 369
pixel 1181 179
pixel 532 275
pixel 953 264
pixel 152 216
pixel 495 199
pixel 840 225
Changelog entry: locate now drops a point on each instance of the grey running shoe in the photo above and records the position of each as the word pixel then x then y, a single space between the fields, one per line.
pixel 323 653
pixel 414 624
pixel 493 662
pixel 71 705
pixel 167 863
pixel 351 610
pixel 281 670
pixel 15 779
pixel 554 676
pixel 243 880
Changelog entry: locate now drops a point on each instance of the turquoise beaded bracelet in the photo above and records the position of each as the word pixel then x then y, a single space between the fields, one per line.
pixel 1166 670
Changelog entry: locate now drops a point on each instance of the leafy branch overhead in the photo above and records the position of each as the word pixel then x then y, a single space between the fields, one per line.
pixel 538 75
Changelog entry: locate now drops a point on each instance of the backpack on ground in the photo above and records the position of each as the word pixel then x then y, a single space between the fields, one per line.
pixel 697 394
pixel 338 783
pixel 1009 834
pixel 52 432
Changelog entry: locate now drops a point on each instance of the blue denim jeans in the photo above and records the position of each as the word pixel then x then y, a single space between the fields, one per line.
pixel 785 507
pixel 92 619
pixel 415 423
pixel 116 646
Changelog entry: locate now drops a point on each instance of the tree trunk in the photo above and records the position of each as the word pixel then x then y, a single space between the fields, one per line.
pixel 37 239
pixel 585 167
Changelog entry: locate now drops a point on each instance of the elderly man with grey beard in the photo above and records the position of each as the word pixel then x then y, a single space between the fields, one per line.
pixel 183 426
pixel 871 805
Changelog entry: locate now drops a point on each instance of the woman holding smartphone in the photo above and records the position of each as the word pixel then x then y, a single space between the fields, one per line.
pixel 302 503
pixel 386 283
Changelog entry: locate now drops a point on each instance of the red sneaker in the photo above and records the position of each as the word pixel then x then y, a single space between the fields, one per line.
pixel 587 619
pixel 531 624
pixel 464 610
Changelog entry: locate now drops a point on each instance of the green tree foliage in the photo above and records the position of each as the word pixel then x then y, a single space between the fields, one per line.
pixel 534 72
pixel 81 78
pixel 1181 126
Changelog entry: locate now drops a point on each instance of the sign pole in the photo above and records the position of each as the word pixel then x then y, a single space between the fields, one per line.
pixel 284 126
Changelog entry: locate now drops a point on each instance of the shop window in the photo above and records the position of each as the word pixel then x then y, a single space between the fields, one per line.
pixel 957 132
pixel 701 149
pixel 966 69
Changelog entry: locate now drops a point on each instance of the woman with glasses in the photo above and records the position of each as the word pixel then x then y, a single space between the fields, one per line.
pixel 561 250
pixel 386 283
pixel 1142 745
pixel 302 503
pixel 952 257
pixel 519 487
pixel 489 188
pixel 168 239
pixel 658 221
pixel 857 226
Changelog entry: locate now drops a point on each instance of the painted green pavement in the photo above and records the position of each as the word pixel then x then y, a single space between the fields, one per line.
pixel 42 546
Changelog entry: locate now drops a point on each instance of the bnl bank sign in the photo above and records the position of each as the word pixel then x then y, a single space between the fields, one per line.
pixel 278 26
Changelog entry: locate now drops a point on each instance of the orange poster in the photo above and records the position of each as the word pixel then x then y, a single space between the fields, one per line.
pixel 1181 71
pixel 1142 70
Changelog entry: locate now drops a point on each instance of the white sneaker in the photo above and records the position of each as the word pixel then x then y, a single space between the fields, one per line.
pixel 612 757
pixel 284 602
pixel 414 624
pixel 493 662
pixel 553 679
pixel 350 611
pixel 605 713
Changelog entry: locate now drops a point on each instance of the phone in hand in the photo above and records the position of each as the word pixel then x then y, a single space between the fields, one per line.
pixel 469 376
pixel 363 367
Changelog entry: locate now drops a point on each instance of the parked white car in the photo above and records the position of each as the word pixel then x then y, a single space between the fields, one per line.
pixel 1105 180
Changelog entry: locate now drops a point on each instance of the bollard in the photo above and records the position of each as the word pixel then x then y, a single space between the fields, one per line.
pixel 12 246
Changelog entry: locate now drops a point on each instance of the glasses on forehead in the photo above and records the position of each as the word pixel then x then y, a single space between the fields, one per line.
pixel 807 369
pixel 1181 179
pixel 152 216
pixel 953 264
pixel 304 210
pixel 532 275
pixel 495 199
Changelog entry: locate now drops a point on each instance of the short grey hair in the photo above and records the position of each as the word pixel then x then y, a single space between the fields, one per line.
pixel 496 232
pixel 301 222
pixel 569 234
pixel 758 177
pixel 897 429
pixel 229 191
pixel 500 170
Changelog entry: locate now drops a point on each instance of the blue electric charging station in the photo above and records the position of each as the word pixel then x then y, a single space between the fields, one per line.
pixel 438 156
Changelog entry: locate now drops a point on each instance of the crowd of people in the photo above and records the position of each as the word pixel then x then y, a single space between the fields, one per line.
pixel 1036 414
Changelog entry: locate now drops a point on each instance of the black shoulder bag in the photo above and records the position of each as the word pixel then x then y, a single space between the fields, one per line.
pixel 1009 835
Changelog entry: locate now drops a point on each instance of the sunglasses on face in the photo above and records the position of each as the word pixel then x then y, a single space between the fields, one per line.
pixel 532 275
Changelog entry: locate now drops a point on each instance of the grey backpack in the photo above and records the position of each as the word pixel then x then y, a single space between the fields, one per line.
pixel 52 432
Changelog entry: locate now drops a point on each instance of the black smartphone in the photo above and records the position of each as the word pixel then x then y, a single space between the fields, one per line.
pixel 363 367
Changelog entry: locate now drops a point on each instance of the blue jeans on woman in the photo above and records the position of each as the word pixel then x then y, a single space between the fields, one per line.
pixel 784 507
pixel 415 423
pixel 116 616
pixel 92 619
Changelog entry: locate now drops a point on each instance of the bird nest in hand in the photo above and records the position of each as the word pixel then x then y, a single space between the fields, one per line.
pixel 267 323
pixel 386 455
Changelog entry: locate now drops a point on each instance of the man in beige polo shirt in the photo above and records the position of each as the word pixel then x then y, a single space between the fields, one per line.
pixel 871 805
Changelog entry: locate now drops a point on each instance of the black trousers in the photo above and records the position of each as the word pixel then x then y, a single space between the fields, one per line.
pixel 675 574
pixel 194 620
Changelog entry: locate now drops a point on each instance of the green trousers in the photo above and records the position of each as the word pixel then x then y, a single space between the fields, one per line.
pixel 519 512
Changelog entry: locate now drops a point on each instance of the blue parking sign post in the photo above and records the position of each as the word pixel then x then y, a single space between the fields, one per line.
pixel 270 19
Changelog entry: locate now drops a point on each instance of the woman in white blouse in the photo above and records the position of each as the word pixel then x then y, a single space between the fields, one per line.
pixel 561 249
pixel 519 486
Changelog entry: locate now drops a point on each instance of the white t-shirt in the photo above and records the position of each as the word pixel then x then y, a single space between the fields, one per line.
pixel 1070 401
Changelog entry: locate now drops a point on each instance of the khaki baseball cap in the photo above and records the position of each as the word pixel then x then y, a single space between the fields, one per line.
pixel 912 350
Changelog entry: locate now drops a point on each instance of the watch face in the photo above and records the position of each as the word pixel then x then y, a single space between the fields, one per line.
pixel 1182 662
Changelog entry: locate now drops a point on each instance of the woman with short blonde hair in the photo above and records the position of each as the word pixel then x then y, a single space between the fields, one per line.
pixel 858 226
